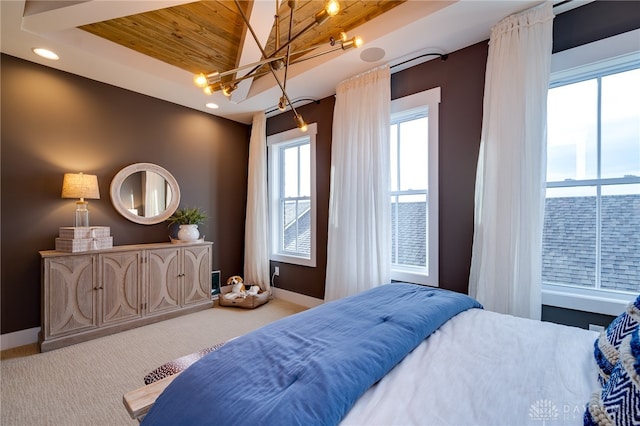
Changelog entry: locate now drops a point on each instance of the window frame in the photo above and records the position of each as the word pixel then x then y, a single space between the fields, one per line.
pixel 427 102
pixel 607 56
pixel 275 144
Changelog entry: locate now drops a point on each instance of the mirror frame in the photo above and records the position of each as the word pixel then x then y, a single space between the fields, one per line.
pixel 123 174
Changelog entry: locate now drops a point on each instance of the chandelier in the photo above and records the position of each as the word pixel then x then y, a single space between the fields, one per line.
pixel 280 59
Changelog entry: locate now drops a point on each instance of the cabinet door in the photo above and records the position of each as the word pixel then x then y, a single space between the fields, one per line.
pixel 70 292
pixel 163 279
pixel 121 277
pixel 197 274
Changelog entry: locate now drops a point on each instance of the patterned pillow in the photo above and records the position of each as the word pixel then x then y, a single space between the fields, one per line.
pixel 619 402
pixel 606 347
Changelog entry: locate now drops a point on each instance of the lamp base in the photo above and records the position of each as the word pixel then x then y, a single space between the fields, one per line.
pixel 82 214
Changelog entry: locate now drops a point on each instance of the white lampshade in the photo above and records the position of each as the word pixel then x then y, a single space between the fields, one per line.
pixel 79 185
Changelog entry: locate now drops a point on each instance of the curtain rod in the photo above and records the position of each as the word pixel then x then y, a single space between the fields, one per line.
pixel 275 108
pixel 443 57
pixel 562 3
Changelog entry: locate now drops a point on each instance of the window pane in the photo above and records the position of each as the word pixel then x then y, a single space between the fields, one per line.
pixel 620 246
pixel 569 237
pixel 305 170
pixel 290 171
pixel 413 151
pixel 621 124
pixel 572 124
pixel 409 230
pixel 297 230
pixel 289 218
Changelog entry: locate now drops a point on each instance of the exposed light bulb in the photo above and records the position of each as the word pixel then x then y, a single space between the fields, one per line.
pixel 300 122
pixel 228 89
pixel 332 7
pixel 200 80
pixel 354 42
pixel 208 90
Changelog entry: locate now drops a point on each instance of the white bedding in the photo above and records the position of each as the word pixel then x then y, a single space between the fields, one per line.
pixel 484 368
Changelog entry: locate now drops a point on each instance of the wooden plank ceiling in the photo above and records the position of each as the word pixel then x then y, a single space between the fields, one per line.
pixel 206 36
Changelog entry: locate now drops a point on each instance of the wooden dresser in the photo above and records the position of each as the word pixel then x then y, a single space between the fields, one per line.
pixel 97 293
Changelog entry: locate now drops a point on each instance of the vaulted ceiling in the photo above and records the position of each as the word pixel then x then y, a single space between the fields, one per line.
pixel 208 35
pixel 154 47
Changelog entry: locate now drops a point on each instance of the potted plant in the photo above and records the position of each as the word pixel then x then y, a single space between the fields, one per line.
pixel 188 220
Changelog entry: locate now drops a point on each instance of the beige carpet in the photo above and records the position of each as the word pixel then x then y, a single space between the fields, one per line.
pixel 83 384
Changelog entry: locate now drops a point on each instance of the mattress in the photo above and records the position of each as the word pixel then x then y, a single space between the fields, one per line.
pixel 485 368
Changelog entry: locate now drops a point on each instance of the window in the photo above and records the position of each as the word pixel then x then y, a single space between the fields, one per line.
pixel 591 238
pixel 292 196
pixel 414 188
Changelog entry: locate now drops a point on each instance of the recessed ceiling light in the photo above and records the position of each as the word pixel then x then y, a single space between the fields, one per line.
pixel 45 53
pixel 212 105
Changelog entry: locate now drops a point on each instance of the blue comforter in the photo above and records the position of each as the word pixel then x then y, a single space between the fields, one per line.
pixel 309 368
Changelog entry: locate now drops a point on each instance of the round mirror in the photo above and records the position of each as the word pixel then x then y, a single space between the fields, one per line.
pixel 145 193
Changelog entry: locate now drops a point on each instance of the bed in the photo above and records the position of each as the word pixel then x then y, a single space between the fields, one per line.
pixel 403 354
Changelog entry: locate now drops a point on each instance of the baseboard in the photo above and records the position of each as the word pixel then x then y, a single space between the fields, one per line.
pixel 19 338
pixel 297 298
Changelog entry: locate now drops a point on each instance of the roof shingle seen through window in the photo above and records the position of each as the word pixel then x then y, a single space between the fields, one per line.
pixel 569 242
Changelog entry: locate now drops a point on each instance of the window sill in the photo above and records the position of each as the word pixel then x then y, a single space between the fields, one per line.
pixel 414 277
pixel 586 300
pixel 293 260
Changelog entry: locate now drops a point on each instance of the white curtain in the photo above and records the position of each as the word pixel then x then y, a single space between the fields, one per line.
pixel 510 184
pixel 359 238
pixel 256 239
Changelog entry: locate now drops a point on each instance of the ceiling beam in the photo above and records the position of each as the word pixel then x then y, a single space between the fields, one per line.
pixel 261 18
pixel 70 15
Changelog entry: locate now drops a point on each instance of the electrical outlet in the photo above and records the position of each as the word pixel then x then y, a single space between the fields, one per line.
pixel 277 271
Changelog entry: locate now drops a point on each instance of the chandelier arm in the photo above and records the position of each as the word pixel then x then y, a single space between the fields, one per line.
pixel 324 52
pixel 257 65
pixel 276 18
pixel 255 74
pixel 264 55
pixel 291 40
pixel 294 38
pixel 288 55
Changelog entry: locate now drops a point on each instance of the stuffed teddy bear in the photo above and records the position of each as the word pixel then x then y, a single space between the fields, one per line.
pixel 238 289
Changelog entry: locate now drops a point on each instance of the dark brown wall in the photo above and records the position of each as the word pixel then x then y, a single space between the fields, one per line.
pixel 461 78
pixel 303 279
pixel 54 122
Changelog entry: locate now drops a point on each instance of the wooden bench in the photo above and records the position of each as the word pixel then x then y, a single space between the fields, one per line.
pixel 138 402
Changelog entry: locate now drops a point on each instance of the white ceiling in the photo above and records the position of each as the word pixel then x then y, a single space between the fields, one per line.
pixel 413 28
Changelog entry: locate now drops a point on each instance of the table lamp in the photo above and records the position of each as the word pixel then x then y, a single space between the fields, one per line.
pixel 79 185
